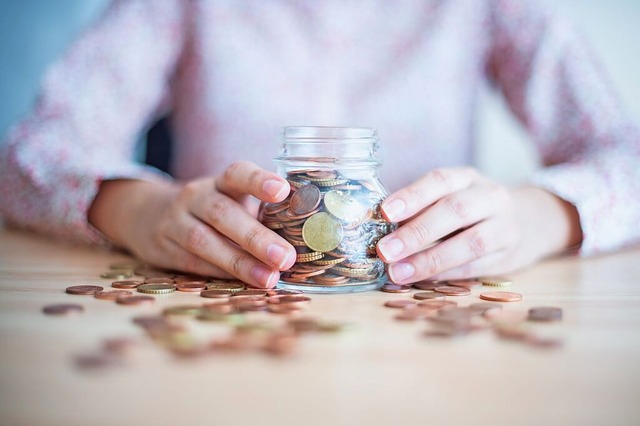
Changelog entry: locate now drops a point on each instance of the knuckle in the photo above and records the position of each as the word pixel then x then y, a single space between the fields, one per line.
pixel 232 170
pixel 253 238
pixel 420 232
pixel 189 190
pixel 439 176
pixel 219 212
pixel 255 177
pixel 457 206
pixel 196 239
pixel 477 244
pixel 433 262
pixel 237 264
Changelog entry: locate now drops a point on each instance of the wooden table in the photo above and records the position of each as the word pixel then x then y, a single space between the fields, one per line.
pixel 380 372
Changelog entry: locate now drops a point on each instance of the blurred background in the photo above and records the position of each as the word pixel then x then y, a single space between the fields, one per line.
pixel 35 32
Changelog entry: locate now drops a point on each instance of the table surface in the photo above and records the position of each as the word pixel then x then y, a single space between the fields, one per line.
pixel 380 371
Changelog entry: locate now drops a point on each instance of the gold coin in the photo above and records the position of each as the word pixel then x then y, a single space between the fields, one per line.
pixel 322 232
pixel 344 207
pixel 309 257
pixel 156 288
pixel 117 275
pixel 496 282
pixel 229 285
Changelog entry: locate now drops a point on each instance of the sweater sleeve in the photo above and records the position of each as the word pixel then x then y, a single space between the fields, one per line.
pixel 588 144
pixel 92 105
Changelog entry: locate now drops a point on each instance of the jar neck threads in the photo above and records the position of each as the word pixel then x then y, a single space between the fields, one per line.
pixel 330 146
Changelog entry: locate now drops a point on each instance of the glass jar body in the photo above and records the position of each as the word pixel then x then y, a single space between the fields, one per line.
pixel 332 214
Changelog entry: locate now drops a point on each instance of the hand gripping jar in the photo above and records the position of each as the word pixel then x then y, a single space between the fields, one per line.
pixel 332 214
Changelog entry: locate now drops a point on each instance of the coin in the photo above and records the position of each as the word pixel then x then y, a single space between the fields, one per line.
pixel 545 313
pixel 216 294
pixel 135 300
pixel 321 232
pixel 229 285
pixel 429 285
pixel 250 292
pixel 112 294
pixel 465 283
pixel 344 207
pixel 156 288
pixel 453 291
pixel 127 284
pixel 501 296
pixel 84 290
pixel 399 303
pixel 192 287
pixel 63 309
pixel 305 200
pixel 394 288
pixel 159 280
pixel 123 266
pixel 183 310
pixel 496 281
pixel 117 275
pixel 430 295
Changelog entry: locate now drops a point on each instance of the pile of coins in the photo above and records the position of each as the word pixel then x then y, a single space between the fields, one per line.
pixel 229 304
pixel 334 223
pixel 447 319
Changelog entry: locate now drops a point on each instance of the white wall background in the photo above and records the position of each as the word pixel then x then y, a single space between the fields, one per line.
pixel 34 32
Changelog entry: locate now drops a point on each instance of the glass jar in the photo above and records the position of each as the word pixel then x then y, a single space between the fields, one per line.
pixel 332 214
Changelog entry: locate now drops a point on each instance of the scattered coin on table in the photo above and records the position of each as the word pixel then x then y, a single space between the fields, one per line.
pixel 84 290
pixel 63 309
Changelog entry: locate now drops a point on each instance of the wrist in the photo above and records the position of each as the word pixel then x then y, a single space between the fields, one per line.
pixel 551 224
pixel 121 204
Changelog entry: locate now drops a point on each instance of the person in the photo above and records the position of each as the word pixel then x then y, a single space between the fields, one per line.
pixel 231 74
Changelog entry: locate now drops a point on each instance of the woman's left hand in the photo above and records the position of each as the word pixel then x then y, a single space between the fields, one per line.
pixel 457 224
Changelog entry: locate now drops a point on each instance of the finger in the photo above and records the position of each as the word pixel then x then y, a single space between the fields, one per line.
pixel 475 242
pixel 453 212
pixel 176 257
pixel 231 220
pixel 425 191
pixel 201 240
pixel 244 178
pixel 492 264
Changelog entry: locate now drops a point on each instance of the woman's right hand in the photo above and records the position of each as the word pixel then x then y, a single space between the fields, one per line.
pixel 206 226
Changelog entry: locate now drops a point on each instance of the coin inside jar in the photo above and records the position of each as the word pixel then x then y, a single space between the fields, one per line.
pixel 321 232
pixel 305 200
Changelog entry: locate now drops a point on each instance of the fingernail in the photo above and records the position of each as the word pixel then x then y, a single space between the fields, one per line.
pixel 390 248
pixel 401 271
pixel 278 255
pixel 393 209
pixel 274 188
pixel 264 277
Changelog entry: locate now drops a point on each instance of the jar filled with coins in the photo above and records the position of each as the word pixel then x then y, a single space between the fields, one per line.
pixel 332 214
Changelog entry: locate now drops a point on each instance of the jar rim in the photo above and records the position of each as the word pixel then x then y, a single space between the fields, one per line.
pixel 320 133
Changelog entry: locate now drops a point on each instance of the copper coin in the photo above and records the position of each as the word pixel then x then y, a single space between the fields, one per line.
pixel 545 313
pixel 135 300
pixel 501 296
pixel 191 286
pixel 450 290
pixel 126 284
pixel 465 283
pixel 84 290
pixel 216 294
pixel 239 299
pixel 250 292
pixel 305 199
pixel 399 303
pixel 394 288
pixel 429 285
pixel 435 304
pixel 159 280
pixel 190 279
pixel 119 345
pixel 484 307
pixel 219 308
pixel 428 295
pixel 63 309
pixel 412 314
pixel 286 308
pixel 290 298
pixel 112 294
